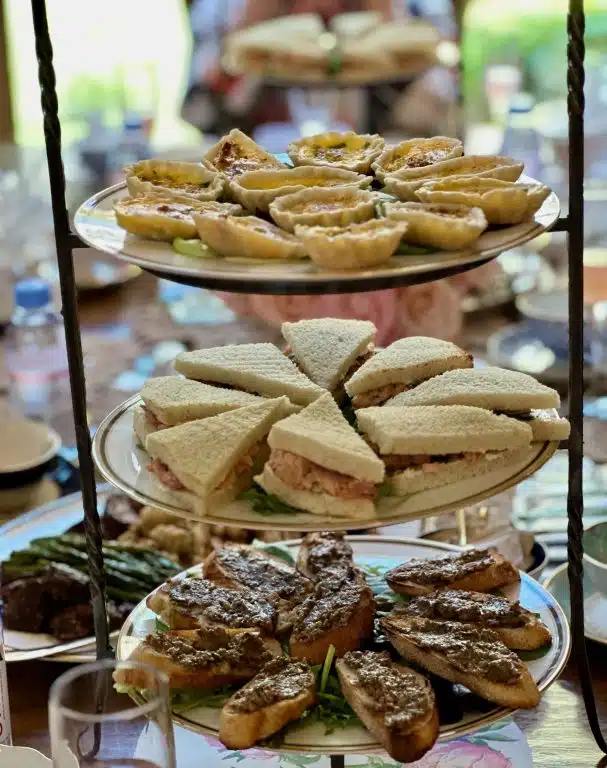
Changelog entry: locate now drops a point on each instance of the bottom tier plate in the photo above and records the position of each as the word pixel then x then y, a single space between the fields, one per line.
pixel 470 713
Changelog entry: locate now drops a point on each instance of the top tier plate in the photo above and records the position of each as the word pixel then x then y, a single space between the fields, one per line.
pixel 96 225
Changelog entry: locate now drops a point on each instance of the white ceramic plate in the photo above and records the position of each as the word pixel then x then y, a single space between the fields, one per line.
pixel 384 553
pixel 50 520
pixel 96 225
pixel 125 465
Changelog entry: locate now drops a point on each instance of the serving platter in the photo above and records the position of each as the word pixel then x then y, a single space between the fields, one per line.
pixel 96 225
pixel 381 553
pixel 124 464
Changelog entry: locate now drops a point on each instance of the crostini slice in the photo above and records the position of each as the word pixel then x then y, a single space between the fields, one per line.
pixel 518 628
pixel 396 704
pixel 281 692
pixel 340 613
pixel 480 570
pixel 321 550
pixel 463 653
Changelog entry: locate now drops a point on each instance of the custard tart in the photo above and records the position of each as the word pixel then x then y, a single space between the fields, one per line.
pixel 168 178
pixel 161 218
pixel 247 237
pixel 349 150
pixel 502 202
pixel 257 189
pixel 324 207
pixel 356 246
pixel 404 183
pixel 416 153
pixel 445 226
pixel 237 153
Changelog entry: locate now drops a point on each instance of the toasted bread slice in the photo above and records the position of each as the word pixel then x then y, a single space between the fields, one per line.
pixel 279 693
pixel 396 704
pixel 191 603
pixel 244 567
pixel 516 627
pixel 479 570
pixel 322 550
pixel 465 654
pixel 201 658
pixel 339 613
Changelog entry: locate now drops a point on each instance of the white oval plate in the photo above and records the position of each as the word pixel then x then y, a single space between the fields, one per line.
pixel 96 225
pixel 384 552
pixel 49 520
pixel 121 462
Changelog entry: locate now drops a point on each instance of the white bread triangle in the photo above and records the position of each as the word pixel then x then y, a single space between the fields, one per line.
pixel 174 400
pixel 316 503
pixel 141 426
pixel 548 427
pixel 326 349
pixel 201 453
pixel 441 429
pixel 321 434
pixel 258 368
pixel 497 389
pixel 407 361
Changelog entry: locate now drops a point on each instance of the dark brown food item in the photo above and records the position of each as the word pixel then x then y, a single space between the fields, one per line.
pixel 304 475
pixel 322 550
pixel 474 607
pixel 166 477
pixel 396 691
pixel 442 570
pixel 76 621
pixel 280 679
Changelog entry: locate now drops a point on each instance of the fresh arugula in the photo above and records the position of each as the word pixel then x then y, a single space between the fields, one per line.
pixel 278 550
pixel 266 503
pixel 161 626
pixel 185 699
pixel 538 653
pixel 332 710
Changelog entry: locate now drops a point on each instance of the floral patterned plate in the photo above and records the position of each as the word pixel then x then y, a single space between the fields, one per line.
pixel 461 712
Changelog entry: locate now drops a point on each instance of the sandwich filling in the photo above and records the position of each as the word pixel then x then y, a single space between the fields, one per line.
pixel 153 420
pixel 415 463
pixel 301 474
pixel 244 464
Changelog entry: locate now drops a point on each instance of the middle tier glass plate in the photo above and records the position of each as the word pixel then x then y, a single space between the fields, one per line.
pixel 125 465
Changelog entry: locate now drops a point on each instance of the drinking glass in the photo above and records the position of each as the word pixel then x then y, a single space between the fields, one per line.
pixel 92 725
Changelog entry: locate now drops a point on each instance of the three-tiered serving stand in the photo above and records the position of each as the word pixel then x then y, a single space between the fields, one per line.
pixel 573 224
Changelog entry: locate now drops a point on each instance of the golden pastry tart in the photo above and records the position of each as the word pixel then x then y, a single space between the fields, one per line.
pixel 356 246
pixel 439 225
pixel 237 153
pixel 325 207
pixel 247 237
pixel 161 218
pixel 502 202
pixel 349 150
pixel 416 153
pixel 257 189
pixel 168 178
pixel 404 183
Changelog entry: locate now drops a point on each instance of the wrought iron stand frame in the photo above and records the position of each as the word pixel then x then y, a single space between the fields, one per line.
pixel 573 224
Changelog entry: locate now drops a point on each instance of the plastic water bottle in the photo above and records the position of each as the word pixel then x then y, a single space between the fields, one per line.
pixel 521 140
pixel 35 353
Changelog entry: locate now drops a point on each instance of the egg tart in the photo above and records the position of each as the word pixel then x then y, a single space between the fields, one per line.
pixel 416 153
pixel 237 153
pixel 324 207
pixel 247 237
pixel 349 150
pixel 168 178
pixel 257 189
pixel 356 246
pixel 404 183
pixel 502 202
pixel 161 218
pixel 445 226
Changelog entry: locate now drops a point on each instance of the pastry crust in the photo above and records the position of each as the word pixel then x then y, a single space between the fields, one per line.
pixel 439 225
pixel 356 246
pixel 502 202
pixel 237 153
pixel 416 153
pixel 404 183
pixel 160 218
pixel 257 189
pixel 247 237
pixel 176 180
pixel 324 207
pixel 351 151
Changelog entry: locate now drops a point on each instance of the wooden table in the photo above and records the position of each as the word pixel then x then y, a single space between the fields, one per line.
pixel 557 730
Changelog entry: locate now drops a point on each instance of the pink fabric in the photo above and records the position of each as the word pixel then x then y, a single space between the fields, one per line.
pixel 462 754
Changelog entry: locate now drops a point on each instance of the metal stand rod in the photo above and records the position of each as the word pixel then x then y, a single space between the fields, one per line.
pixel 63 243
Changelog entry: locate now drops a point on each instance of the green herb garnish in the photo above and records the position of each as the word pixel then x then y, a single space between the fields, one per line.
pixel 278 550
pixel 538 653
pixel 266 503
pixel 185 699
pixel 161 626
pixel 194 249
